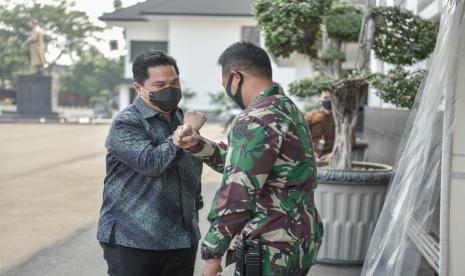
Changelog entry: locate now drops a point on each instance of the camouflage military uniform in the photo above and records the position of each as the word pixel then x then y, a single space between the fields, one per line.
pixel 269 176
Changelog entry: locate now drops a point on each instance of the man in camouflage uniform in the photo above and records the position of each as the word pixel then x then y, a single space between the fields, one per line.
pixel 268 168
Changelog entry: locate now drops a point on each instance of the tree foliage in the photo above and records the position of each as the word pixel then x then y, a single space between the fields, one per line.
pixel 94 76
pixel 331 54
pixel 307 88
pixel 13 59
pixel 401 37
pixel 318 29
pixel 117 4
pixel 66 30
pixel 398 86
pixel 290 25
pixel 344 22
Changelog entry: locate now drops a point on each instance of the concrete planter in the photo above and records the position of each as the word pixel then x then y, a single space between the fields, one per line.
pixel 349 203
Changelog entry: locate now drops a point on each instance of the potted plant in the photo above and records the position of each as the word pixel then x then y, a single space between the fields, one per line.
pixel 350 194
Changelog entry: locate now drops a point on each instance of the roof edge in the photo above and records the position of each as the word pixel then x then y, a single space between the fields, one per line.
pixel 102 18
pixel 198 14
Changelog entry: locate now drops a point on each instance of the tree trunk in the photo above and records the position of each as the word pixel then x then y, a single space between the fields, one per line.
pixel 341 157
pixel 338 62
pixel 325 69
pixel 324 36
pixel 366 38
pixel 2 83
pixel 345 102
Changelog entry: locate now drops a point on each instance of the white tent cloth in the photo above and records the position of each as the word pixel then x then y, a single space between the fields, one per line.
pixel 414 190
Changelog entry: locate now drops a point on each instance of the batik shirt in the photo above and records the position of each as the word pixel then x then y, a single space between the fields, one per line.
pixel 152 189
pixel 266 194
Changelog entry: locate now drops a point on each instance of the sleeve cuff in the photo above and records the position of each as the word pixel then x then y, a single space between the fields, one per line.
pixel 207 254
pixel 215 245
pixel 198 148
pixel 204 149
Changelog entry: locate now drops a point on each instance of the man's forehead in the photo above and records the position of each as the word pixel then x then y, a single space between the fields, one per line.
pixel 168 68
pixel 162 73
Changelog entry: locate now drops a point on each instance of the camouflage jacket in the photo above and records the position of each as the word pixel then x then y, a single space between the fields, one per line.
pixel 269 175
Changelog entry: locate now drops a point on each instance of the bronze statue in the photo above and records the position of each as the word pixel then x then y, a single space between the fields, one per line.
pixel 36 46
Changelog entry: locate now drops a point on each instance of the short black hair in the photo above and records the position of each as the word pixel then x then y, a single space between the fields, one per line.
pixel 248 57
pixel 150 59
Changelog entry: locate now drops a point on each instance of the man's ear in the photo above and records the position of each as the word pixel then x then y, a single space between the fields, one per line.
pixel 137 87
pixel 236 75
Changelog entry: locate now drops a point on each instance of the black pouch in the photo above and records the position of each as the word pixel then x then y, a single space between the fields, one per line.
pixel 240 254
pixel 248 258
pixel 253 260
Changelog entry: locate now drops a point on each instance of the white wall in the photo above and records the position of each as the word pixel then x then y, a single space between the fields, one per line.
pixel 197 43
pixel 303 67
pixel 457 185
pixel 154 30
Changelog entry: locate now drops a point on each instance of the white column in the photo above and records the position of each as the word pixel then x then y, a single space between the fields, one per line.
pixel 457 183
pixel 412 5
pixel 124 98
pixel 303 67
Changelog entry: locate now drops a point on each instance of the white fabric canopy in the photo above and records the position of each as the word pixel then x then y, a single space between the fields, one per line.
pixel 396 247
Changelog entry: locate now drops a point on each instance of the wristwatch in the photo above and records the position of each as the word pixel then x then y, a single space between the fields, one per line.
pixel 207 254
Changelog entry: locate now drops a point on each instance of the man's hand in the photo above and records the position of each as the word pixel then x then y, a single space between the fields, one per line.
pixel 212 267
pixel 195 119
pixel 326 157
pixel 186 137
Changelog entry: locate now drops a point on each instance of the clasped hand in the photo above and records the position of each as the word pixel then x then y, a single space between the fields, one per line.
pixel 187 136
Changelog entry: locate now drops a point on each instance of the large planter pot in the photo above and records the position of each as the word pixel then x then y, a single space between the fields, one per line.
pixel 349 203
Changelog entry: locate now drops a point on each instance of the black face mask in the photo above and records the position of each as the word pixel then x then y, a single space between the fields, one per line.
pixel 326 104
pixel 166 99
pixel 238 97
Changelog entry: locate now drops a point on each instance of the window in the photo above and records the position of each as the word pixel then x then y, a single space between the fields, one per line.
pixel 140 47
pixel 251 34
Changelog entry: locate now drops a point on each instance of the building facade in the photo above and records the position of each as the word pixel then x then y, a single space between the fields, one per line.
pixel 193 32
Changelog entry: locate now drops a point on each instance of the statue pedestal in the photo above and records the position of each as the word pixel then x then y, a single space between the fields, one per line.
pixel 34 97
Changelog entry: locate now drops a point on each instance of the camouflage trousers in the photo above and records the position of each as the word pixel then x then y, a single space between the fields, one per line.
pixel 277 270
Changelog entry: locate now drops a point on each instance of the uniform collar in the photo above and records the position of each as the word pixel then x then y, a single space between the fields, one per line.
pixel 276 89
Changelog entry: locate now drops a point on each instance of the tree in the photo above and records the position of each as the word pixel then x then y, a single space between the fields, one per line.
pixel 319 29
pixel 12 58
pixel 94 76
pixel 398 86
pixel 331 27
pixel 66 30
pixel 117 4
pixel 402 39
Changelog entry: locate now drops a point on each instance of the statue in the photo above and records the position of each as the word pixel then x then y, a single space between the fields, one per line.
pixel 34 95
pixel 36 46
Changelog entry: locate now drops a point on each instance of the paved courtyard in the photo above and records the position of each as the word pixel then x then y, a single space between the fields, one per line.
pixel 51 179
